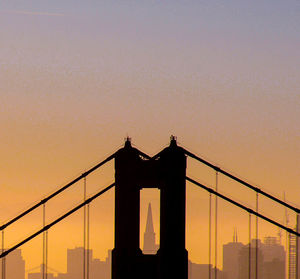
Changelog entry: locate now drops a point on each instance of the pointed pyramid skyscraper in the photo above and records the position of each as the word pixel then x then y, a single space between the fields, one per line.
pixel 149 235
pixel 149 224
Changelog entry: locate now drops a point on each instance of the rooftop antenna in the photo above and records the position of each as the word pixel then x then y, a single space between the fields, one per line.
pixel 235 236
pixel 279 235
pixel 233 239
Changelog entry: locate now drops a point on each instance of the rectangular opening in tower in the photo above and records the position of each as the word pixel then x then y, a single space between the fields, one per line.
pixel 149 220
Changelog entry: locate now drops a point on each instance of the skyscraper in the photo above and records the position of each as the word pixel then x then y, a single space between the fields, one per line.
pixel 231 253
pixel 15 265
pixel 75 262
pixel 256 261
pixel 150 246
pixel 274 258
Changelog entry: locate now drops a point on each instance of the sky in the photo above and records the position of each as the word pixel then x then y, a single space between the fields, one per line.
pixel 77 77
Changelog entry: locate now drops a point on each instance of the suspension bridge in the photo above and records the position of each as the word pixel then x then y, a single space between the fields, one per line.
pixel 166 171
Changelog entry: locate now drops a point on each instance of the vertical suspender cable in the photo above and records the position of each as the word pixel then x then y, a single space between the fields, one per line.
pixel 84 229
pixel 256 241
pixel 44 243
pixel 216 227
pixel 45 246
pixel 288 256
pixel 287 235
pixel 209 237
pixel 297 247
pixel 249 251
pixel 88 242
pixel 46 255
pixel 3 259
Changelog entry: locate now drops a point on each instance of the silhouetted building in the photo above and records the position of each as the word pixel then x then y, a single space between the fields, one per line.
pixel 292 253
pixel 270 260
pixel 231 254
pixel 274 258
pixel 15 265
pixel 254 266
pixel 150 246
pixel 97 269
pixel 201 271
pixel 101 269
pixel 75 262
pixel 292 257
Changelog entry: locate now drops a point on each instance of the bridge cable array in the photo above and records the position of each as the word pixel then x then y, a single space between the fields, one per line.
pixel 233 177
pixel 243 207
pixel 250 212
pixel 43 204
pixel 60 190
pixel 56 221
pixel 257 191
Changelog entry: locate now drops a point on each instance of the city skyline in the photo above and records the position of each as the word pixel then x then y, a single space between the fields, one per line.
pixel 233 254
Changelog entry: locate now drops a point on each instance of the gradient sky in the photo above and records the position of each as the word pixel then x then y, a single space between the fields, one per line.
pixel 76 77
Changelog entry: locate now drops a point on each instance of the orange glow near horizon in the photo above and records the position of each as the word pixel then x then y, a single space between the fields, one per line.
pixel 69 234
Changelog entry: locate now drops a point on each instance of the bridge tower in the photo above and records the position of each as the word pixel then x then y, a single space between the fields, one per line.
pixel 167 173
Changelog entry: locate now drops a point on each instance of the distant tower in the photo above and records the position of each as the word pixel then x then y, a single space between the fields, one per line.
pixel 149 235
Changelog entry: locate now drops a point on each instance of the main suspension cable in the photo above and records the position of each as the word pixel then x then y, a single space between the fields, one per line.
pixel 209 237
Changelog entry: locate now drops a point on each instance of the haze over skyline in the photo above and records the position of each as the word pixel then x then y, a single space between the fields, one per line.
pixel 77 77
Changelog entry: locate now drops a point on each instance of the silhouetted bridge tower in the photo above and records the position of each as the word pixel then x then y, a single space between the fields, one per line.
pixel 166 171
pixel 133 173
